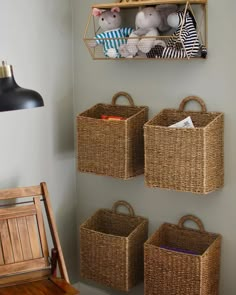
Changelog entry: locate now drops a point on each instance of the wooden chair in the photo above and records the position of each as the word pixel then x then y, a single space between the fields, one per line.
pixel 25 264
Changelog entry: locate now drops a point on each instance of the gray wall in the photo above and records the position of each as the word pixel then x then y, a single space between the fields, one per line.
pixel 162 84
pixel 37 145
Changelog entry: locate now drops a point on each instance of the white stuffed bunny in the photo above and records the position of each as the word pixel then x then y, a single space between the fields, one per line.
pixel 112 36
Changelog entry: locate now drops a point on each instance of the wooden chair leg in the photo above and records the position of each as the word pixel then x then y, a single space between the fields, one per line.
pixel 54 233
pixel 54 258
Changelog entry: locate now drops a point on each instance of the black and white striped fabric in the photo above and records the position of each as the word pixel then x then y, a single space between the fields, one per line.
pixel 184 43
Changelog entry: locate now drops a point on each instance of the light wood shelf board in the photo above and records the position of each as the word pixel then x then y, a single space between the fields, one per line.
pixel 142 3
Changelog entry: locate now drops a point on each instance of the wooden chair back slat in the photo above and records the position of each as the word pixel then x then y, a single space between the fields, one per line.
pixel 24 237
pixel 22 192
pixel 1 255
pixel 21 211
pixel 6 243
pixel 34 237
pixel 41 228
pixel 15 238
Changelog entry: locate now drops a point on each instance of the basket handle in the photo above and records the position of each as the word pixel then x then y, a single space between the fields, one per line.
pixel 125 94
pixel 125 204
pixel 194 98
pixel 194 219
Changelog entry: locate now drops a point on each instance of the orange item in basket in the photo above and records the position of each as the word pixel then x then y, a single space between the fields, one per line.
pixel 113 118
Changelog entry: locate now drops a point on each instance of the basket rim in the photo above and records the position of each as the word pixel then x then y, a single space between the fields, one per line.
pixel 148 243
pixel 139 110
pixel 149 123
pixel 173 251
pixel 143 221
pixel 186 229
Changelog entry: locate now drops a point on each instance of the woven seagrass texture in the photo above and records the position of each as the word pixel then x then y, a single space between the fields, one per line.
pixel 182 261
pixel 185 159
pixel 113 148
pixel 111 247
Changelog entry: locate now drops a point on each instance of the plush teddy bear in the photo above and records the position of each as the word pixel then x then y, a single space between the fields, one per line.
pixel 113 36
pixel 148 21
pixel 184 43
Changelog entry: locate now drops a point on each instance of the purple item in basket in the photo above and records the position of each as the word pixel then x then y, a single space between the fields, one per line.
pixel 179 250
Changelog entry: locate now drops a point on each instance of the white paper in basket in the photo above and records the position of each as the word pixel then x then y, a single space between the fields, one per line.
pixel 185 123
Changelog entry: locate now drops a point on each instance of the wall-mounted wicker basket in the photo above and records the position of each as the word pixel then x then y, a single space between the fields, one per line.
pixel 180 260
pixel 185 159
pixel 112 148
pixel 129 8
pixel 111 247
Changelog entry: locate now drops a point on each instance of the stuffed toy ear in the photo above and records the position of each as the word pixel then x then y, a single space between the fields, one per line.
pixel 97 12
pixel 115 9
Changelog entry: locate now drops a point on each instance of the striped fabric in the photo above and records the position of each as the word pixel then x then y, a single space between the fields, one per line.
pixel 184 43
pixel 113 39
pixel 187 39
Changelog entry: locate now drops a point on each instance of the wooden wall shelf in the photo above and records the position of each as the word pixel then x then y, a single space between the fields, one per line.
pixel 129 8
pixel 138 3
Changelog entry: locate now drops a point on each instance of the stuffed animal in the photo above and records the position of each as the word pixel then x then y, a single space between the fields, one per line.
pixel 184 43
pixel 148 21
pixel 112 36
pixel 164 11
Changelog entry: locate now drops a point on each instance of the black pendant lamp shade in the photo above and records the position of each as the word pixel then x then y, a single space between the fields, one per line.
pixel 12 96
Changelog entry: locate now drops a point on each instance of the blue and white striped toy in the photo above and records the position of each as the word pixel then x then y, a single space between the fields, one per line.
pixel 113 36
pixel 112 40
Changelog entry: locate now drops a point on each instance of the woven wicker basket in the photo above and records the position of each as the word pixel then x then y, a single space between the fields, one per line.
pixel 111 247
pixel 185 159
pixel 182 261
pixel 113 148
